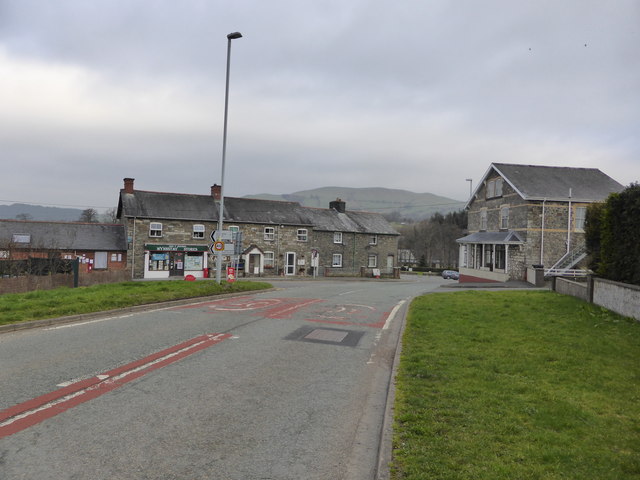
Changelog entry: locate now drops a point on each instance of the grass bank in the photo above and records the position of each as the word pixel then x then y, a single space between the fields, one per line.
pixel 517 385
pixel 72 301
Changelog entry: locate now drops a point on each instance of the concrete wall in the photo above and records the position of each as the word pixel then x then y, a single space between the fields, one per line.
pixel 618 297
pixel 575 289
pixel 622 298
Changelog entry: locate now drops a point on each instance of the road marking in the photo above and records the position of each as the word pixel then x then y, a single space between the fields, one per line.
pixel 31 412
pixel 393 314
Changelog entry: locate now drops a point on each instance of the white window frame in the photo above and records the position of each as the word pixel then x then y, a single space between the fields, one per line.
pixel 372 261
pixel 580 218
pixel 373 240
pixel 269 259
pixel 155 230
pixel 269 234
pixel 483 219
pixel 336 260
pixel 504 217
pixel 302 235
pixel 233 228
pixel 198 231
pixel 337 237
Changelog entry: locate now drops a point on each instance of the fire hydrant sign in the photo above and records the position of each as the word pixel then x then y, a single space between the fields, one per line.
pixel 231 274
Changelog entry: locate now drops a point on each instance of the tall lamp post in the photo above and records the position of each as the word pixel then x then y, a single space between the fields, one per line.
pixel 231 36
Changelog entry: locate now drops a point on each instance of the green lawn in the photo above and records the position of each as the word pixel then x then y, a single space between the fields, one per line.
pixel 70 301
pixel 517 385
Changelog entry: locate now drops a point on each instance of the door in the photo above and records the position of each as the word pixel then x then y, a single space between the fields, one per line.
pixel 390 263
pixel 176 264
pixel 290 263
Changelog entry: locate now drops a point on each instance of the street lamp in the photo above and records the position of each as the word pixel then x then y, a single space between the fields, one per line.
pixel 231 36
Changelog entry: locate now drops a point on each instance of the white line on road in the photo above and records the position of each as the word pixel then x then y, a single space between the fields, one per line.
pixel 393 314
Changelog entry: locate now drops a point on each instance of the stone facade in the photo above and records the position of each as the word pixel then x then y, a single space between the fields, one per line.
pixel 511 228
pixel 283 238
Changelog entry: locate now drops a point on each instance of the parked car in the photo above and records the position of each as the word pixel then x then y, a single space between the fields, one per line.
pixel 452 274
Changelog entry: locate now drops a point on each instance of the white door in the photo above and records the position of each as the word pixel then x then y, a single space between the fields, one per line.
pixel 290 263
pixel 390 263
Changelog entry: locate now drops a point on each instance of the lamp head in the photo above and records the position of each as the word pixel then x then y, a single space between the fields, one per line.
pixel 234 35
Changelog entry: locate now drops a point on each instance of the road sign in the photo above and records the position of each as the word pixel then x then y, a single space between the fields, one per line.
pixel 218 246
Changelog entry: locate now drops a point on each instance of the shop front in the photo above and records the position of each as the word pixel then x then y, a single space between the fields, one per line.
pixel 177 261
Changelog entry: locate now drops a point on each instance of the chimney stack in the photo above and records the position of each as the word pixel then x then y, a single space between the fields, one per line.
pixel 128 185
pixel 338 205
pixel 216 191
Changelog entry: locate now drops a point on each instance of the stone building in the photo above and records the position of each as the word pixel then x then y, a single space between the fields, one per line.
pixel 525 215
pixel 169 236
pixel 98 246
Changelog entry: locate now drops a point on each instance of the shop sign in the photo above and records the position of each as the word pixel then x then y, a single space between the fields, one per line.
pixel 176 248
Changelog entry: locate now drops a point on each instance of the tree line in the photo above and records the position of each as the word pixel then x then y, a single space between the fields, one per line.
pixel 612 234
pixel 433 241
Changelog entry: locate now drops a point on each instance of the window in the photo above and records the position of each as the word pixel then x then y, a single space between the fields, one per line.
pixel 494 188
pixel 581 215
pixel 269 233
pixel 337 237
pixel 373 261
pixel 100 260
pixel 337 260
pixel 21 238
pixel 504 217
pixel 155 229
pixel 116 257
pixel 198 231
pixel 233 228
pixel 483 219
pixel 373 240
pixel 302 234
pixel 269 259
pixel 4 253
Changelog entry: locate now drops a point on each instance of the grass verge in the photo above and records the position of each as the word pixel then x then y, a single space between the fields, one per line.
pixel 526 385
pixel 42 304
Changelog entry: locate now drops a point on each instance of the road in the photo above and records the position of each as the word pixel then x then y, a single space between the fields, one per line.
pixel 286 384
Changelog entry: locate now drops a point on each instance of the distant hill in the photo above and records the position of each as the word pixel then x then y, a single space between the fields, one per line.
pixel 389 202
pixel 39 213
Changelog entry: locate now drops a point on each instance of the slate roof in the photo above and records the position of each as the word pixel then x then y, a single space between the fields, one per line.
pixel 535 182
pixel 64 235
pixel 510 237
pixel 176 206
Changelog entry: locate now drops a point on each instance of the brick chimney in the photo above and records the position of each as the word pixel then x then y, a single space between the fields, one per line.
pixel 216 191
pixel 128 185
pixel 338 205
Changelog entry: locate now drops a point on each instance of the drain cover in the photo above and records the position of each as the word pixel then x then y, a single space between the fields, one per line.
pixel 331 336
pixel 327 335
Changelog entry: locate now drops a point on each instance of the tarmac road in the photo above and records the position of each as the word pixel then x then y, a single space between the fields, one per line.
pixel 286 384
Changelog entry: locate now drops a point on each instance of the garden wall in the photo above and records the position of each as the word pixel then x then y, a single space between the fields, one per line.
pixel 621 298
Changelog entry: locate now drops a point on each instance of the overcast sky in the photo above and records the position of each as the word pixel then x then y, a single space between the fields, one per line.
pixel 411 94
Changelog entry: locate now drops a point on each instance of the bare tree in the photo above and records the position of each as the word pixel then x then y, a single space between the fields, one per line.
pixel 110 216
pixel 89 215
